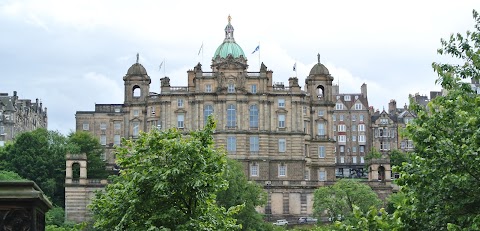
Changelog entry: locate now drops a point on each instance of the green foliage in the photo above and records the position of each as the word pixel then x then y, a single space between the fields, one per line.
pixel 398 157
pixel 395 200
pixel 84 142
pixel 441 182
pixel 241 191
pixel 373 219
pixel 339 199
pixel 8 175
pixel 167 182
pixel 39 155
pixel 55 216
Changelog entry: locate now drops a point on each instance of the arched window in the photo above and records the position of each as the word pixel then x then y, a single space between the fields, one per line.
pixel 137 92
pixel 231 116
pixel 75 171
pixel 320 91
pixel 207 110
pixel 254 116
pixel 381 173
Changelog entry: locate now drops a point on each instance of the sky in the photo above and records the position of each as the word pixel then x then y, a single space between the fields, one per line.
pixel 73 54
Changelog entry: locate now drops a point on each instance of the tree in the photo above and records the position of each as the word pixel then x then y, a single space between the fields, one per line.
pixel 10 176
pixel 338 200
pixel 398 157
pixel 84 142
pixel 441 182
pixel 241 191
pixel 167 182
pixel 39 156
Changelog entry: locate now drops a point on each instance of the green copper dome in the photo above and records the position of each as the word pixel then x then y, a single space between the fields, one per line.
pixel 229 46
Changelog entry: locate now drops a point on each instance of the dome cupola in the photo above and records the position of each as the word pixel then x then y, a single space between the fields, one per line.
pixel 319 69
pixel 229 46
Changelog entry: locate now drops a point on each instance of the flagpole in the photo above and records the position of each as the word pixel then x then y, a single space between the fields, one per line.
pixel 202 53
pixel 259 65
pixel 296 69
pixel 164 67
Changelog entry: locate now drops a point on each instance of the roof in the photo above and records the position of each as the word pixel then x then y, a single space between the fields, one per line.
pixel 229 46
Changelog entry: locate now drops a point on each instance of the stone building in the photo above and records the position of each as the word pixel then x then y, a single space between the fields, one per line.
pixel 19 115
pixel 351 122
pixel 282 134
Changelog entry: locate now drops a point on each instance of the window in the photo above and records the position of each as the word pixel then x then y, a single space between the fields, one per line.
pixel 231 144
pixel 117 125
pixel 361 138
pixel 321 129
pixel 334 118
pixel 410 144
pixel 282 145
pixel 346 98
pixel 342 159
pixel 354 117
pixel 341 117
pixel 137 92
pixel 384 145
pixel 180 120
pixel 152 111
pixel 342 138
pixel 335 138
pixel 354 149
pixel 253 88
pixel 358 106
pixel 281 102
pixel 2 130
pixel 304 110
pixel 136 128
pixel 135 112
pixel 103 156
pixel 231 116
pixel 341 127
pixel 362 160
pixel 354 127
pixel 208 88
pixel 117 109
pixel 342 148
pixel 321 112
pixel 254 116
pixel 354 159
pixel 407 120
pixel 383 121
pixel 103 139
pixel 231 88
pixel 338 97
pixel 179 102
pixel 103 126
pixel 322 176
pixel 361 127
pixel 254 169
pixel 339 106
pixel 254 146
pixel 282 170
pixel 281 121
pixel 321 151
pixel 86 126
pixel 116 140
pixel 362 148
pixel 334 128
pixel 354 138
pixel 207 111
pixel 361 117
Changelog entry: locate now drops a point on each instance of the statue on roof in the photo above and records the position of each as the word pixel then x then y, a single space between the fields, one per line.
pixel 318 57
pixel 138 56
pixel 229 19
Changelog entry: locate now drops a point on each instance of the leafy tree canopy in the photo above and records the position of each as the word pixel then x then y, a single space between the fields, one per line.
pixel 167 182
pixel 84 142
pixel 10 176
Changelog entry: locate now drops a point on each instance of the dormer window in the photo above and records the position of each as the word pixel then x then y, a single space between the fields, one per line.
pixel 346 98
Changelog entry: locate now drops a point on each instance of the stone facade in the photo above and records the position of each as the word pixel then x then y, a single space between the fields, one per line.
pixel 19 115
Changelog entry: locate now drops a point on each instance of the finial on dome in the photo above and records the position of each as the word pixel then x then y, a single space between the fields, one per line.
pixel 318 57
pixel 138 56
pixel 229 19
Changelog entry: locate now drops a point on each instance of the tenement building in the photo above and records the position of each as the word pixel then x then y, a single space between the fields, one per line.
pixel 351 123
pixel 281 133
pixel 19 115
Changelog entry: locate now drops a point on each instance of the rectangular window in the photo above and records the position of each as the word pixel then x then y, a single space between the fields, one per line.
pixel 253 88
pixel 354 149
pixel 321 151
pixel 362 160
pixel 2 130
pixel 231 144
pixel 342 159
pixel 322 176
pixel 208 88
pixel 383 121
pixel 135 112
pixel 103 126
pixel 281 102
pixel 117 109
pixel 362 148
pixel 103 139
pixel 334 128
pixel 116 140
pixel 358 106
pixel 254 146
pixel 354 128
pixel 334 118
pixel 321 129
pixel 231 88
pixel 361 138
pixel 342 148
pixel 347 98
pixel 361 127
pixel 354 138
pixel 136 128
pixel 179 102
pixel 341 127
pixel 341 117
pixel 282 170
pixel 354 117
pixel 180 120
pixel 342 138
pixel 281 121
pixel 361 117
pixel 354 159
pixel 282 145
pixel 86 126
pixel 339 106
pixel 254 169
pixel 321 112
pixel 304 110
pixel 117 125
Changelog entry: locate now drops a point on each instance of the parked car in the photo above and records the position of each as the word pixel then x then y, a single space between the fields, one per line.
pixel 281 222
pixel 307 220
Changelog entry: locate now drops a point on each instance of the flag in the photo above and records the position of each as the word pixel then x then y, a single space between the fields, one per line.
pixel 295 67
pixel 200 49
pixel 256 49
pixel 160 67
